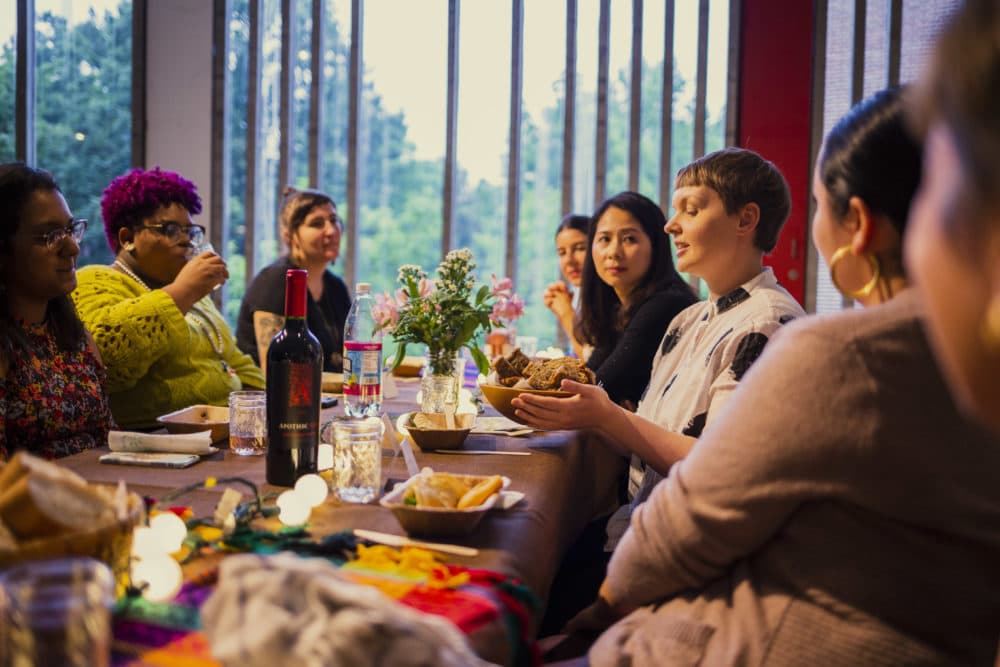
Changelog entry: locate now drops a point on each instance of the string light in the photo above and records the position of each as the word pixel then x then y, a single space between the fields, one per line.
pixel 312 488
pixel 159 577
pixel 172 530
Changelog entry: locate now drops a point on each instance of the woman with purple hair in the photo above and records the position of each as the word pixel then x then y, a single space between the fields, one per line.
pixel 165 344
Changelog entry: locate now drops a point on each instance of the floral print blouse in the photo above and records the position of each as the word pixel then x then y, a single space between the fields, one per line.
pixel 53 401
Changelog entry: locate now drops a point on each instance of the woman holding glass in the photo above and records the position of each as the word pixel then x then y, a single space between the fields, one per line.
pixel 311 230
pixel 52 400
pixel 165 344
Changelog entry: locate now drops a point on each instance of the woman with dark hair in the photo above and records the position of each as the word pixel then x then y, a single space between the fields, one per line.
pixel 311 230
pixel 165 344
pixel 571 248
pixel 52 400
pixel 839 510
pixel 630 291
pixel 954 248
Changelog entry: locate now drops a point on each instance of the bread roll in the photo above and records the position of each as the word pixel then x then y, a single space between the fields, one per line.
pixel 44 502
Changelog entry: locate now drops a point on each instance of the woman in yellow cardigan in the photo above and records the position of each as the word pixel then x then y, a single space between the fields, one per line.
pixel 165 344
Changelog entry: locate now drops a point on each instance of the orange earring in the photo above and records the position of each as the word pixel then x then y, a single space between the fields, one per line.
pixel 989 330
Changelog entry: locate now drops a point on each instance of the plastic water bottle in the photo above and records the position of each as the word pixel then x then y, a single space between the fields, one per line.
pixel 362 357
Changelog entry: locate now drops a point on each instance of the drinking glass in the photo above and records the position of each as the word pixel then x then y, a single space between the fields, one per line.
pixel 202 247
pixel 248 423
pixel 57 612
pixel 357 457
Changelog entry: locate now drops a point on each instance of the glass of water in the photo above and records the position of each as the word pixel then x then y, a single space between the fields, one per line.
pixel 248 423
pixel 202 247
pixel 357 457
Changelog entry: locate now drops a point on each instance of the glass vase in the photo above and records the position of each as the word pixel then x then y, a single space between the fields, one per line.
pixel 439 385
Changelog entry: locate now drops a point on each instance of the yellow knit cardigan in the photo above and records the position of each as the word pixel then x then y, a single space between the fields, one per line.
pixel 157 359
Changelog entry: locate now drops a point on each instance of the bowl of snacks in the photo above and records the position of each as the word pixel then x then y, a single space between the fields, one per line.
pixel 48 511
pixel 516 374
pixel 332 383
pixel 198 418
pixel 443 504
pixel 433 430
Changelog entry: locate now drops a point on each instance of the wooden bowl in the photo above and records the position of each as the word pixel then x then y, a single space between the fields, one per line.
pixel 500 397
pixel 333 383
pixel 409 367
pixel 198 418
pixel 429 439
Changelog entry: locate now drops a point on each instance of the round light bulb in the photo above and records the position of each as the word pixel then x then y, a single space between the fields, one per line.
pixel 294 513
pixel 312 489
pixel 147 542
pixel 286 498
pixel 171 529
pixel 161 576
pixel 324 460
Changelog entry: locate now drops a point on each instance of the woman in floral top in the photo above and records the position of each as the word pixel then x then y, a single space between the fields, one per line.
pixel 52 398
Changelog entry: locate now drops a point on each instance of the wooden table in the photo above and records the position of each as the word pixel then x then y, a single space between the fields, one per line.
pixel 567 481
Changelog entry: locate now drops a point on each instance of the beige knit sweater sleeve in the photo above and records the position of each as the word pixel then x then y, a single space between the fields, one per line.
pixel 768 451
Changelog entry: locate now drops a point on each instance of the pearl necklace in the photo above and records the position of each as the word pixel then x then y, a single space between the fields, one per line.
pixel 195 316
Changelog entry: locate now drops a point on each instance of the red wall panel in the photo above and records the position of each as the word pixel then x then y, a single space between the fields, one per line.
pixel 776 53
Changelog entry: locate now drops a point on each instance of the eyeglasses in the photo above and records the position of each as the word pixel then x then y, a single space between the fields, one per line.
pixel 172 230
pixel 74 230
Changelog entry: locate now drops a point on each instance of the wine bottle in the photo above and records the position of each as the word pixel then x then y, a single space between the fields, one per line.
pixel 294 370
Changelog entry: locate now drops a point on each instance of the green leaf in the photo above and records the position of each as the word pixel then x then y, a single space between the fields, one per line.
pixel 482 363
pixel 400 353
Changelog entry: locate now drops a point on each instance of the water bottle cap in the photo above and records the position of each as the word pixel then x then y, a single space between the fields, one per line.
pixel 363 288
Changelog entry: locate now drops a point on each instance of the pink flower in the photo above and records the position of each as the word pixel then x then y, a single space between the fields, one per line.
pixel 425 287
pixel 401 296
pixel 507 309
pixel 385 311
pixel 502 287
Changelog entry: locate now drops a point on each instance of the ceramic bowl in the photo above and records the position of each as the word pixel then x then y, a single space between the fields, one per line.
pixel 333 383
pixel 500 397
pixel 198 418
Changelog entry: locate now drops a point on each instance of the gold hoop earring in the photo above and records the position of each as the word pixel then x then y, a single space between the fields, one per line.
pixel 865 289
pixel 128 247
pixel 989 330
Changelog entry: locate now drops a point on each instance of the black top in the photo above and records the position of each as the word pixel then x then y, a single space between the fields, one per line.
pixel 624 368
pixel 325 317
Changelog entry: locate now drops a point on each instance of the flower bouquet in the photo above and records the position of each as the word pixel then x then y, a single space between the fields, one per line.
pixel 446 314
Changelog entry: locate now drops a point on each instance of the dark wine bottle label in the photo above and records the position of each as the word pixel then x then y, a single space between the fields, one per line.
pixel 293 421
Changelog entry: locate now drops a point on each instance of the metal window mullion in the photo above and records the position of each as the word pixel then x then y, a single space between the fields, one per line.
pixel 316 106
pixel 667 106
pixel 138 86
pixel 514 137
pixel 253 130
pixel 894 11
pixel 816 137
pixel 857 74
pixel 221 121
pixel 635 108
pixel 569 110
pixel 700 94
pixel 24 96
pixel 733 73
pixel 451 132
pixel 353 143
pixel 287 83
pixel 601 130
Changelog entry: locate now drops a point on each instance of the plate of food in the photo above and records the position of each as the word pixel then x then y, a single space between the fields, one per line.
pixel 444 504
pixel 516 374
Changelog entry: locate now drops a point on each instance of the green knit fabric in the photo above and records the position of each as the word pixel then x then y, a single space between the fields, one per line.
pixel 157 360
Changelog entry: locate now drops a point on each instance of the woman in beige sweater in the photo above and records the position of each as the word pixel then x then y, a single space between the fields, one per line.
pixel 839 510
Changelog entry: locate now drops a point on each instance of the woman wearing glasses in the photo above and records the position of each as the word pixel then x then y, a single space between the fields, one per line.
pixel 165 344
pixel 52 398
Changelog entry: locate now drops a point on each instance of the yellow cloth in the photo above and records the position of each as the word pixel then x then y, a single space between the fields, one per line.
pixel 157 360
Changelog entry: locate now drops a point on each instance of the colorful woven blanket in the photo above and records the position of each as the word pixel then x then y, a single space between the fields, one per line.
pixel 490 609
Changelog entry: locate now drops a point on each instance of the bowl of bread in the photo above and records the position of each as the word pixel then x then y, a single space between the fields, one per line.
pixel 443 504
pixel 198 418
pixel 515 374
pixel 436 430
pixel 48 511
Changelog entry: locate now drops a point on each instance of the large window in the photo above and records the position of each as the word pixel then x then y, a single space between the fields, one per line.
pixel 83 76
pixel 8 75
